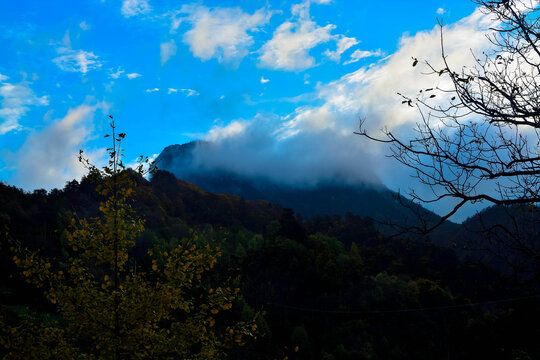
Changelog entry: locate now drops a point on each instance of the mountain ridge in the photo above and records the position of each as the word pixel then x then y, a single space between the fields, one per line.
pixel 324 199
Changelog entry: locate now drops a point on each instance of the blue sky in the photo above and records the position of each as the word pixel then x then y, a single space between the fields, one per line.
pixel 280 85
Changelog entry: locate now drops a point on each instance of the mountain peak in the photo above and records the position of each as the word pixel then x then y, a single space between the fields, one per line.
pixel 329 197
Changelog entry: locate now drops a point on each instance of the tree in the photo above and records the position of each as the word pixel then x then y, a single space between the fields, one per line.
pixel 109 307
pixel 481 142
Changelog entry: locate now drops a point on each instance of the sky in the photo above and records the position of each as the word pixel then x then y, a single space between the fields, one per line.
pixel 278 86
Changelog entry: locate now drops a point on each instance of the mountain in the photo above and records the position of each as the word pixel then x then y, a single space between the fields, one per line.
pixel 506 238
pixel 324 199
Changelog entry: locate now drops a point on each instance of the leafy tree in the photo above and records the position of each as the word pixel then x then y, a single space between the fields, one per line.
pixel 111 308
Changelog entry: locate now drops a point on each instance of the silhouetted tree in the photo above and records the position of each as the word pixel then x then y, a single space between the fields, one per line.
pixel 482 143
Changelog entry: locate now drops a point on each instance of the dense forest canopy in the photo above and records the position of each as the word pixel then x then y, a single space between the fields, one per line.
pixel 332 286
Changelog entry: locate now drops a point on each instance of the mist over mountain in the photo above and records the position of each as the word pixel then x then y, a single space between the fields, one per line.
pixel 301 160
pixel 310 197
pixel 482 238
pixel 319 197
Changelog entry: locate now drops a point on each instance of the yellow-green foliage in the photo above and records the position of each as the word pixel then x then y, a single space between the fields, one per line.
pixel 108 308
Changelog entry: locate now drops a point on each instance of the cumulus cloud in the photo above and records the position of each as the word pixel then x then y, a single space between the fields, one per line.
pixel 220 33
pixel 167 50
pixel 135 7
pixel 172 90
pixel 48 158
pixel 343 44
pixel 131 76
pixel 76 60
pixel 441 11
pixel 263 80
pixel 17 99
pixel 292 40
pixel 360 54
pixel 152 90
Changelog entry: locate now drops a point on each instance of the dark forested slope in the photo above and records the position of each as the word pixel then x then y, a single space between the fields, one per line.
pixel 330 287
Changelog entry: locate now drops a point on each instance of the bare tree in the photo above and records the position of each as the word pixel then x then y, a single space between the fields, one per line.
pixel 483 144
pixel 481 141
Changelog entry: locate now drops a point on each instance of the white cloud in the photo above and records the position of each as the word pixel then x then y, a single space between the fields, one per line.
pixel 343 44
pixel 190 92
pixel 76 60
pixel 84 25
pixel 187 92
pixel 116 75
pixel 135 163
pixel 263 80
pixel 441 11
pixel 221 33
pixel 292 40
pixel 131 76
pixel 372 90
pixel 66 39
pixel 167 50
pixel 219 133
pixel 292 148
pixel 120 72
pixel 135 7
pixel 152 90
pixel 48 158
pixel 360 54
pixel 17 99
pixel 257 148
pixel 176 22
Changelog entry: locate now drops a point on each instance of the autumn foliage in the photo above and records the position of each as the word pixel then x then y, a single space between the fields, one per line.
pixel 108 306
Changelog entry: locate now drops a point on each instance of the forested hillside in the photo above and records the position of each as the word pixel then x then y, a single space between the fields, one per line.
pixel 327 288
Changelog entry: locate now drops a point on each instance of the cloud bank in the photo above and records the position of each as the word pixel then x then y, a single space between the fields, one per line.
pixel 308 158
pixel 316 143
